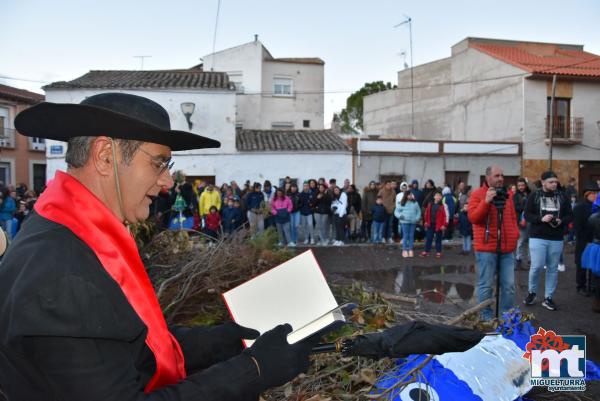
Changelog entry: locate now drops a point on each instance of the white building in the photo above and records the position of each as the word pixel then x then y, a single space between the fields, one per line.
pixel 499 91
pixel 272 93
pixel 210 96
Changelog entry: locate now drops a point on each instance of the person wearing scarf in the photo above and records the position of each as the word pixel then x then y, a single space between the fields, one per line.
pixel 79 319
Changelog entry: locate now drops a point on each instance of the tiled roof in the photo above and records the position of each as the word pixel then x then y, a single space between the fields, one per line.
pixel 247 140
pixel 299 60
pixel 178 79
pixel 20 95
pixel 544 58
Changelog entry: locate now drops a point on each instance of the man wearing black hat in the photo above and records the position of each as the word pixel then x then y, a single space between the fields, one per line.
pixel 79 319
pixel 583 235
pixel 548 212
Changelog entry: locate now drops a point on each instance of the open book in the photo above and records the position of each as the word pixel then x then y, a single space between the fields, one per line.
pixel 294 292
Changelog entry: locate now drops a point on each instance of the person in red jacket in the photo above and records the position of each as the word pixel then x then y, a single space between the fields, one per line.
pixel 435 222
pixel 484 216
pixel 212 223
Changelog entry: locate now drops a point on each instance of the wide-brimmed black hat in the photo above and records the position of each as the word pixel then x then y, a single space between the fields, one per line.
pixel 116 115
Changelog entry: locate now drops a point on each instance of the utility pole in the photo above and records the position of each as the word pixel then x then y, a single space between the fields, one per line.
pixel 552 118
pixel 142 60
pixel 408 21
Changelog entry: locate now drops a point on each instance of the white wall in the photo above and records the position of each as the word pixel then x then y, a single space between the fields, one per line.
pixel 585 103
pixel 246 58
pixel 301 105
pixel 268 166
pixel 257 108
pixel 488 110
pixel 213 117
pixel 433 167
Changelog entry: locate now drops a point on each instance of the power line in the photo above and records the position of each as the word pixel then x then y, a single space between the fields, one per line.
pixel 23 79
pixel 341 91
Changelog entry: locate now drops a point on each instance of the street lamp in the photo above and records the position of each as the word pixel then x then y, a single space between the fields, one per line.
pixel 187 108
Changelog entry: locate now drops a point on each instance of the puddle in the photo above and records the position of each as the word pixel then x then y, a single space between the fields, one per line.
pixel 437 284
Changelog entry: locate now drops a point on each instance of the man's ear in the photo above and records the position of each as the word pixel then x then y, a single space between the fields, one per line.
pixel 101 155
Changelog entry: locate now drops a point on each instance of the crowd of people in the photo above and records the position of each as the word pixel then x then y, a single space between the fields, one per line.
pixel 321 212
pixel 15 206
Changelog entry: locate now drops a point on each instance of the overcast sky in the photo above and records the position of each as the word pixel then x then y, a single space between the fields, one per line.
pixel 61 40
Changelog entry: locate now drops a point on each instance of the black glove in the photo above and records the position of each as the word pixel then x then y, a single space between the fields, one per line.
pixel 278 361
pixel 414 338
pixel 229 336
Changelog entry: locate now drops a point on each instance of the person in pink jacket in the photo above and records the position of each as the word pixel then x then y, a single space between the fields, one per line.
pixel 281 208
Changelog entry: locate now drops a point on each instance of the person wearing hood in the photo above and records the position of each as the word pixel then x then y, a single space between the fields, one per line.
pixel 339 208
pixel 450 203
pixel 414 188
pixel 399 195
pixel 408 214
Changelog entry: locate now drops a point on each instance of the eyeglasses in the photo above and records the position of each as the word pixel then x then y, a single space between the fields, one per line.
pixel 161 166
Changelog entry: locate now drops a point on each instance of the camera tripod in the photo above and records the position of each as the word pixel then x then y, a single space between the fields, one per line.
pixel 500 216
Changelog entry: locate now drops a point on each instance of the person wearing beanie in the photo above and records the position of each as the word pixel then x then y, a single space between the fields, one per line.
pixel 548 212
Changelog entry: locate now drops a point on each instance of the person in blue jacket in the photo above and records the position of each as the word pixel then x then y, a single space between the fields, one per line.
pixel 231 217
pixel 408 213
pixel 7 209
pixel 466 229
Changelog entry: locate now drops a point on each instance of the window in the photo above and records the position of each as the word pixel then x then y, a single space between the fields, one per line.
pixel 561 116
pixel 5 173
pixel 7 135
pixel 39 176
pixel 306 123
pixel 282 86
pixel 282 125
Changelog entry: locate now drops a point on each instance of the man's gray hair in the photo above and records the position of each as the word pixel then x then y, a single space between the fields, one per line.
pixel 488 171
pixel 78 150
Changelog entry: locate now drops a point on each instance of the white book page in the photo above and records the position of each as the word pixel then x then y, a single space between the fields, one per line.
pixel 294 292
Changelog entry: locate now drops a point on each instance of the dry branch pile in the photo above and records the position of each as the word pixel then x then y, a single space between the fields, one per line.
pixel 190 272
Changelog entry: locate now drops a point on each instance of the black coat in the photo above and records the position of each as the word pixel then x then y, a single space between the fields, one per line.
pixel 67 332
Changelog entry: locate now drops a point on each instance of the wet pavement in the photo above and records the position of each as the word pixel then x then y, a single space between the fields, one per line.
pixel 448 285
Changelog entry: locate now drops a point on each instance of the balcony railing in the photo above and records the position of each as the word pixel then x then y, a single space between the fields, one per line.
pixel 7 138
pixel 566 130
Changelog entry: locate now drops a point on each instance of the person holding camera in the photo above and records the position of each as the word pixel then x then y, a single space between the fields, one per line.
pixel 483 212
pixel 548 212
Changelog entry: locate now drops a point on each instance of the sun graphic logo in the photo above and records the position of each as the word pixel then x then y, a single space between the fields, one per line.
pixel 557 362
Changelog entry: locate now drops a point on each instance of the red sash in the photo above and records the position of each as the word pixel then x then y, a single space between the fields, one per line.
pixel 69 203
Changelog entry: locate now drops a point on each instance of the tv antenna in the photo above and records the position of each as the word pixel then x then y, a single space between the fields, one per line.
pixel 408 21
pixel 142 60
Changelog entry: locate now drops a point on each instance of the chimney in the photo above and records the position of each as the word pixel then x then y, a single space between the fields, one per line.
pixel 255 37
